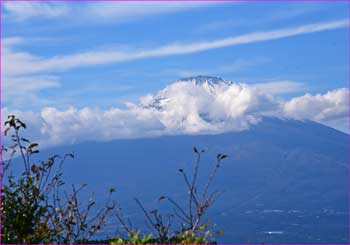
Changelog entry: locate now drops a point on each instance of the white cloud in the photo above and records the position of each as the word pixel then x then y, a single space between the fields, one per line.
pixel 264 17
pixel 280 87
pixel 20 65
pixel 21 11
pixel 331 107
pixel 11 41
pixel 185 107
pixel 23 63
pixel 21 89
pixel 32 72
pixel 192 108
pixel 127 11
pixel 114 12
pixel 29 84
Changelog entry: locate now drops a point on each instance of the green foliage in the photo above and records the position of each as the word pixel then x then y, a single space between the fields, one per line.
pixel 21 207
pixel 134 238
pixel 186 237
pixel 22 212
pixel 33 207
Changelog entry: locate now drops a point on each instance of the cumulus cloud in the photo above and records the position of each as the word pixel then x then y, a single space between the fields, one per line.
pixel 185 107
pixel 331 107
pixel 191 106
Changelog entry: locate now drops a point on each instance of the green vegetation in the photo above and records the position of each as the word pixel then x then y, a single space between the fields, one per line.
pixel 35 209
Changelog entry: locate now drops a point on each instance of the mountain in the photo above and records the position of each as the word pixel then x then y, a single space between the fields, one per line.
pixel 207 80
pixel 285 181
pixel 204 104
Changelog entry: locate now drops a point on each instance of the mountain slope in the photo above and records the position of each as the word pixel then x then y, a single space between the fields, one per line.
pixel 285 180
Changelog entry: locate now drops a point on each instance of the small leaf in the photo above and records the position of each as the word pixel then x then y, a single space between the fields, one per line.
pixel 32 145
pixel 34 169
pixel 25 140
pixel 195 149
pixel 70 155
pixel 6 130
pixel 21 123
pixel 223 156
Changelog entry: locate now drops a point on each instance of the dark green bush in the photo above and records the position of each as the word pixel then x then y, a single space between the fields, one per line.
pixel 34 207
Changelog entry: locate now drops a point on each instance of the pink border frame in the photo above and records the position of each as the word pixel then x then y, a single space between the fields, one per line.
pixel 174 0
pixel 348 1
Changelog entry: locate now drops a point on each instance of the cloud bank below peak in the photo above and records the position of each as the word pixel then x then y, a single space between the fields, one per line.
pixel 326 108
pixel 190 106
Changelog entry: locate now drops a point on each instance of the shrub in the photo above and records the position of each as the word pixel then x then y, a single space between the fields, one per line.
pixel 189 227
pixel 34 209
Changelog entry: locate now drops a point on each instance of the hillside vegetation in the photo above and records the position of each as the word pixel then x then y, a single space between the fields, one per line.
pixel 36 208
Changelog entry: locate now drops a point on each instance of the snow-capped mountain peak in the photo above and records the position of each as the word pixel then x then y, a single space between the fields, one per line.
pixel 209 80
pixel 207 104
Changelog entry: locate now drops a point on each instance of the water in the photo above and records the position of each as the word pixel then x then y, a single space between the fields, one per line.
pixel 271 226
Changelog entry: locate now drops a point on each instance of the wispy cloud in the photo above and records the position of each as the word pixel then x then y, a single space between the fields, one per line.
pixel 128 11
pixel 11 41
pixel 18 89
pixel 226 68
pixel 22 63
pixel 22 91
pixel 95 12
pixel 19 66
pixel 264 17
pixel 21 11
pixel 280 87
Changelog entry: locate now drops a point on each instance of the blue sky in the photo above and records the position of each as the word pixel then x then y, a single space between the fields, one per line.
pixel 101 55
